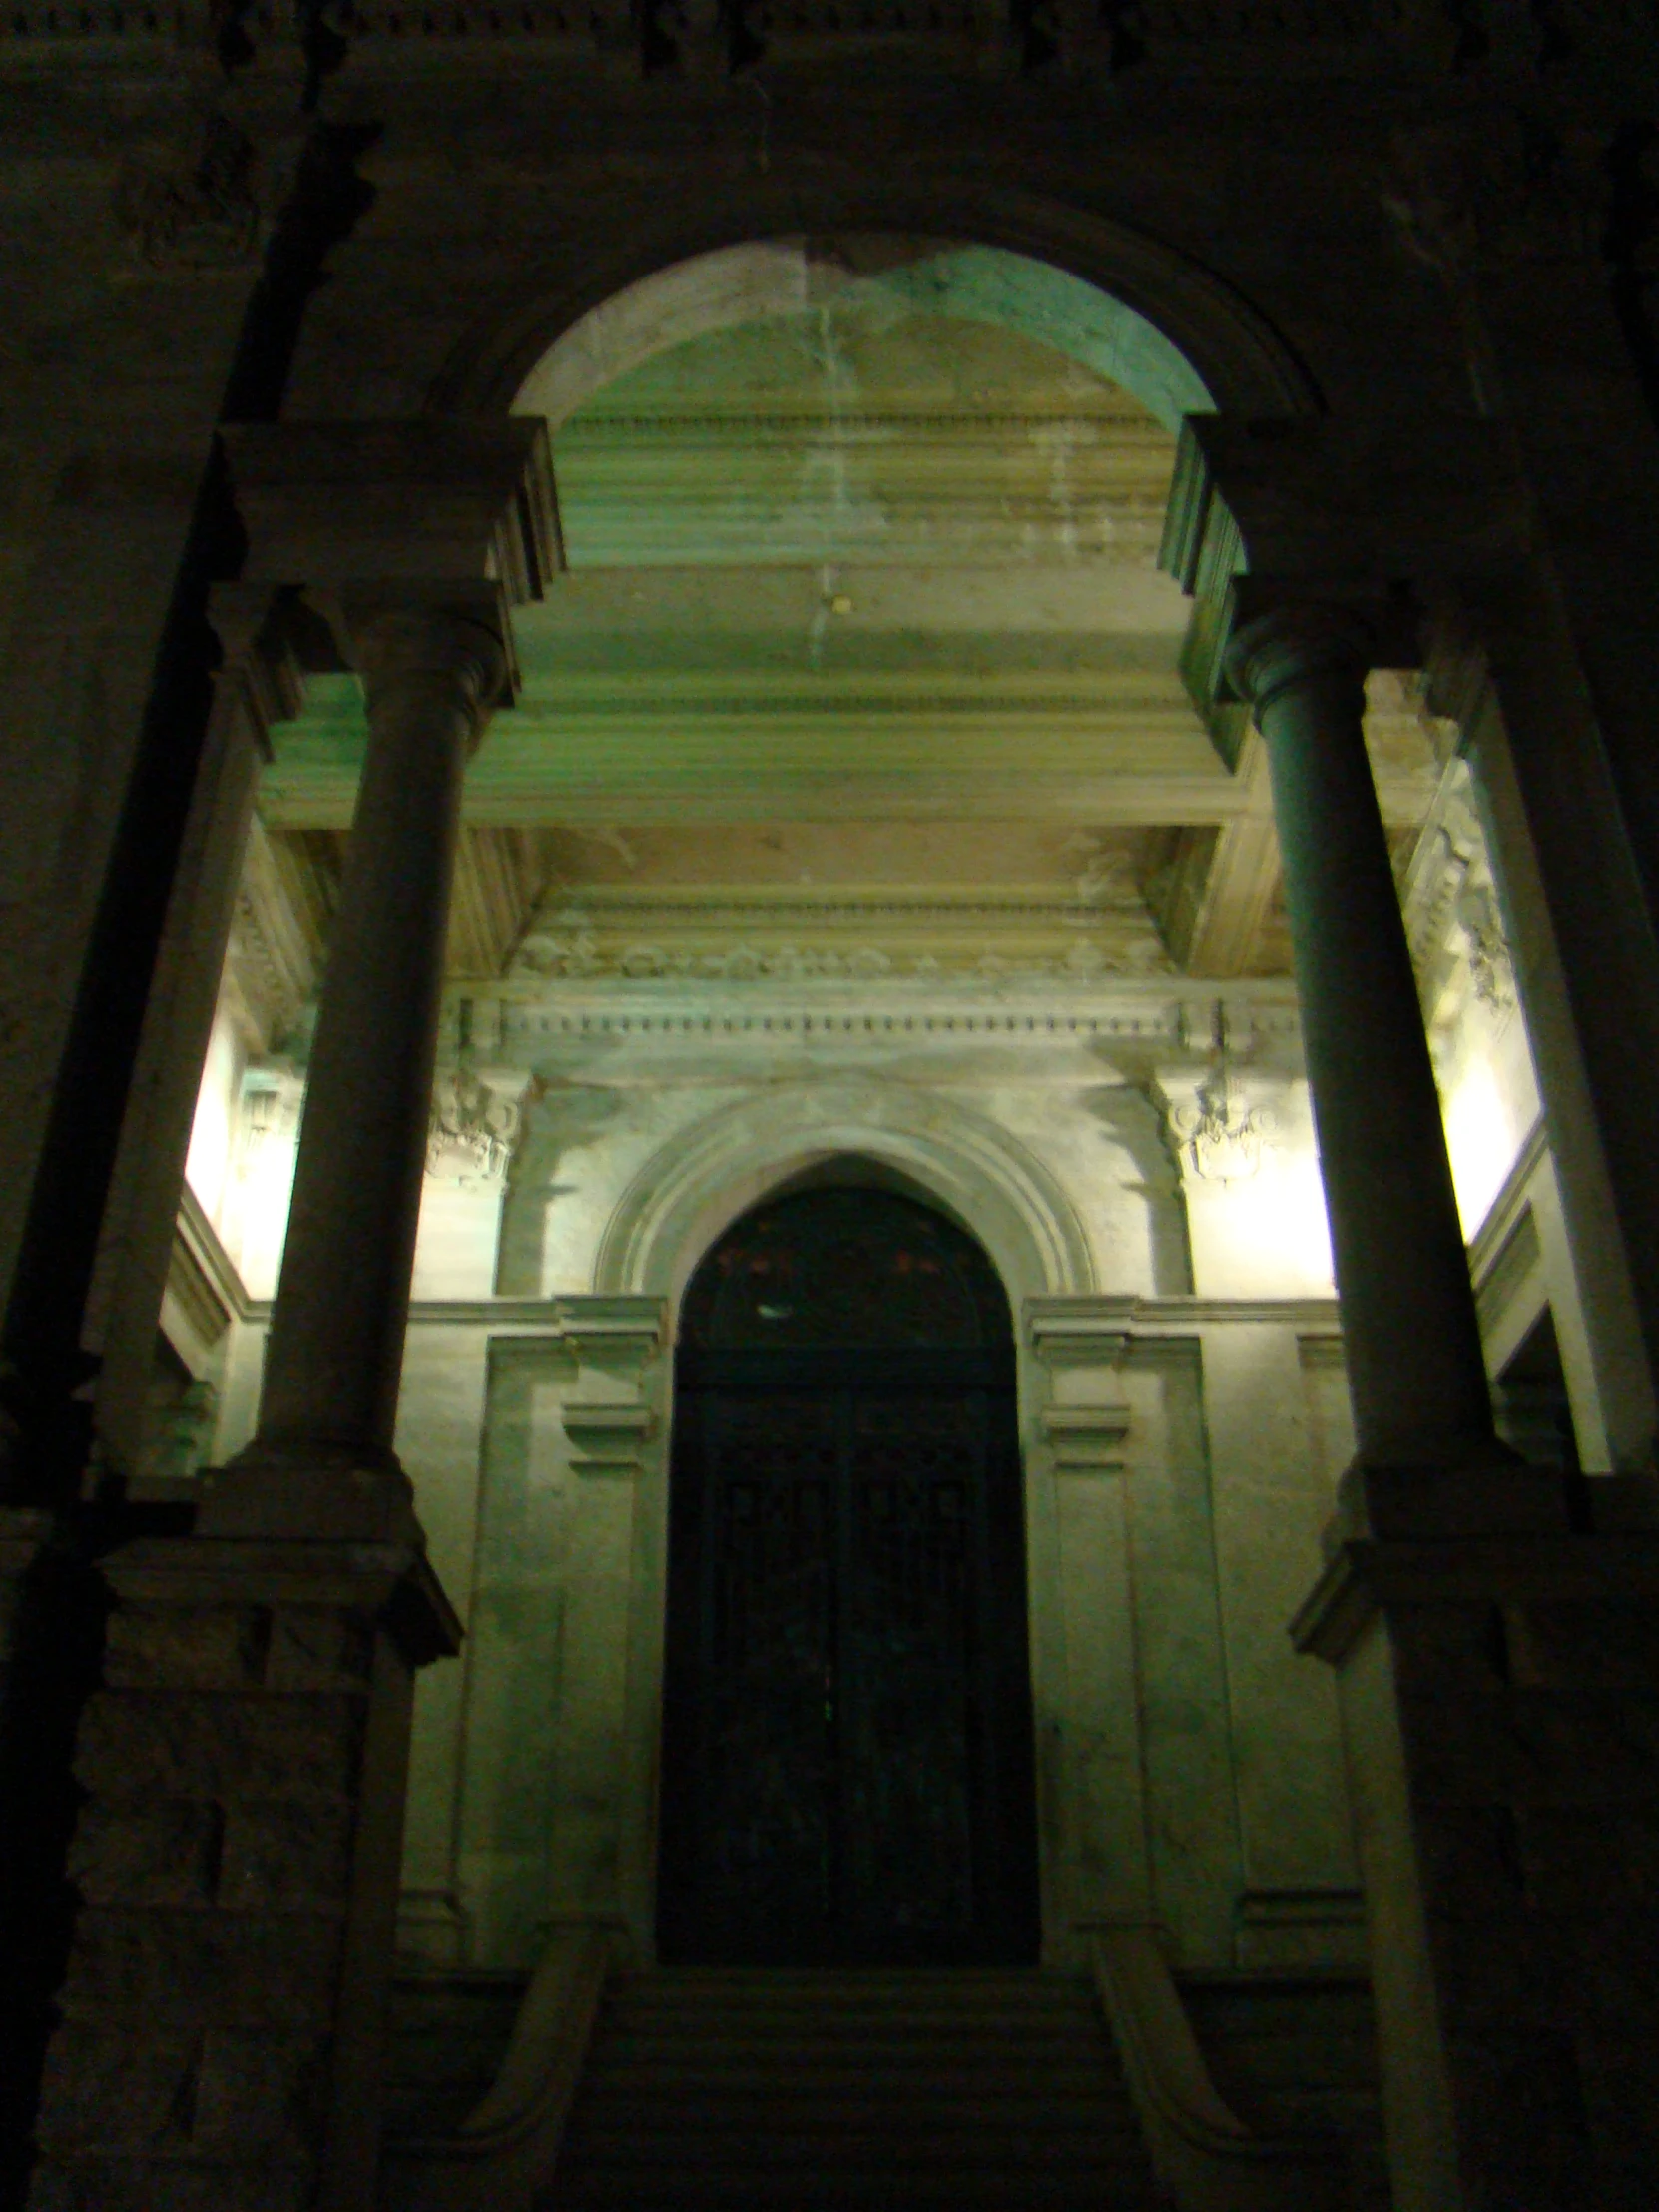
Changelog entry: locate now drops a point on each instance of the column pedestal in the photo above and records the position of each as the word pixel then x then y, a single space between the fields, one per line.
pixel 223 2021
pixel 1499 1684
pixel 52 1607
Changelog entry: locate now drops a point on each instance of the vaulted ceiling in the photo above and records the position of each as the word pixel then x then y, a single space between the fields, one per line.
pixel 862 663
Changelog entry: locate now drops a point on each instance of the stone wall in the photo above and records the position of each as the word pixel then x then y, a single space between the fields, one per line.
pixel 1182 1402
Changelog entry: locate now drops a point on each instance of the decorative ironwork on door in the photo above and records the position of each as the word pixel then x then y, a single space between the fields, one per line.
pixel 847 1761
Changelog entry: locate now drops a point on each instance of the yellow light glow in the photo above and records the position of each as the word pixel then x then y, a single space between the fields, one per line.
pixel 1481 1140
pixel 207 1162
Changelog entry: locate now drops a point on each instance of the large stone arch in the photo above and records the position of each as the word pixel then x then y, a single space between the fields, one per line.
pixel 704 1177
pixel 1236 353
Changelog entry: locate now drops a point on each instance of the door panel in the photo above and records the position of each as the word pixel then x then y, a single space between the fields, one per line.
pixel 847 1755
pixel 912 1490
pixel 766 1780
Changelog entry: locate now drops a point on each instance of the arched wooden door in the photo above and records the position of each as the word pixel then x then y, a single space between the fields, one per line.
pixel 848 1771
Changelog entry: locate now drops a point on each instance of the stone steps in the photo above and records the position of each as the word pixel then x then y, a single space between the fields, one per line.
pixel 449 2035
pixel 1295 2053
pixel 863 2093
pixel 873 2092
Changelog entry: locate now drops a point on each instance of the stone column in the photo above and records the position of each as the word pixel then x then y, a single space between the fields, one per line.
pixel 1416 1369
pixel 245 1763
pixel 430 674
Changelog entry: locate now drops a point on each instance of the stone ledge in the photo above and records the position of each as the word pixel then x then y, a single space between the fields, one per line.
pixel 393 1581
pixel 1368 1573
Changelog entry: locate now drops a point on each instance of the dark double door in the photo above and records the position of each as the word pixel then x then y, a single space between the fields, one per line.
pixel 848 1756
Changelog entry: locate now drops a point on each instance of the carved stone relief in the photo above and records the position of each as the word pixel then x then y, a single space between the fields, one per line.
pixel 579 952
pixel 477 1117
pixel 191 207
pixel 1453 920
pixel 1214 1136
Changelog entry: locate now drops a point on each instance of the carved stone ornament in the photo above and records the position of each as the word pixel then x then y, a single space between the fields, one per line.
pixel 1492 970
pixel 1453 920
pixel 476 1120
pixel 1218 1139
pixel 272 1099
pixel 580 954
pixel 191 210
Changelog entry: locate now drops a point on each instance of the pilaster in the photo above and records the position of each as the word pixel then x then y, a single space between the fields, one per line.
pixel 258 681
pixel 1090 1754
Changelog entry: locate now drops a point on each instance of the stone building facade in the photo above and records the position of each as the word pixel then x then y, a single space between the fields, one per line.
pixel 612 615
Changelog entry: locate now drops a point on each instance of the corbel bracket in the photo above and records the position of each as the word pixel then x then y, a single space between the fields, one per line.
pixel 610 1438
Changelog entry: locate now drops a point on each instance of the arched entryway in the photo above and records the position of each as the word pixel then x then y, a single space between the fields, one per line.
pixel 847 1771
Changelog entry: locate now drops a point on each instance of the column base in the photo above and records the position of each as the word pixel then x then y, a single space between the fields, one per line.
pixel 1495 1634
pixel 221 2036
pixel 309 1496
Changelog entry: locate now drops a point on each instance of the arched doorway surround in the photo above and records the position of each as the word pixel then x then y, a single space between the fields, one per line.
pixel 678 1205
pixel 847 1774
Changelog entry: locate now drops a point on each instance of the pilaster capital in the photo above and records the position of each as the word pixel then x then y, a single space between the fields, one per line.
pixel 259 672
pixel 1295 642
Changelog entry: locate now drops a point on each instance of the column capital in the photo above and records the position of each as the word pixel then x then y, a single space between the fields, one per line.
pixel 1295 641
pixel 458 638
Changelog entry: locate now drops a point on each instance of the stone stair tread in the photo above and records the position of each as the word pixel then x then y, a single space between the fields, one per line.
pixel 731 2090
pixel 700 2074
pixel 1096 2192
pixel 1041 2131
pixel 858 2092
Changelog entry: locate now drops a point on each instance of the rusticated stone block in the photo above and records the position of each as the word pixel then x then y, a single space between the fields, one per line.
pixel 162 1854
pixel 285 1852
pixel 166 2186
pixel 106 2089
pixel 1471 1861
pixel 1523 2111
pixel 1615 1961
pixel 1595 1647
pixel 259 2095
pixel 139 1744
pixel 1441 1648
pixel 1535 1747
pixel 1621 2097
pixel 213 1969
pixel 317 1649
pixel 291 1747
pixel 1519 1983
pixel 1593 1860
pixel 200 1648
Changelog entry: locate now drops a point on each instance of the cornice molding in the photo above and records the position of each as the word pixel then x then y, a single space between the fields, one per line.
pixel 525 1015
pixel 981 699
pixel 1100 1329
pixel 597 429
